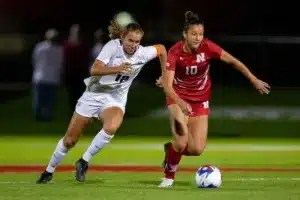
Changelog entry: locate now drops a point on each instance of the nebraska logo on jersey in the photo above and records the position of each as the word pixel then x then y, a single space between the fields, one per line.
pixel 200 57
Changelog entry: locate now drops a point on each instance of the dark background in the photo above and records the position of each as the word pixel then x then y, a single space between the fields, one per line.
pixel 274 60
pixel 265 35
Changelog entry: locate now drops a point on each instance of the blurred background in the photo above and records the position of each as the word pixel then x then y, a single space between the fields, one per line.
pixel 264 36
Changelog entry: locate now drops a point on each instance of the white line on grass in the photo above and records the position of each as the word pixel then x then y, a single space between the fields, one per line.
pixel 212 147
pixel 262 179
pixel 158 146
pixel 278 179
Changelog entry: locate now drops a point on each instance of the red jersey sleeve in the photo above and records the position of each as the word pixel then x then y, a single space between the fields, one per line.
pixel 214 49
pixel 171 62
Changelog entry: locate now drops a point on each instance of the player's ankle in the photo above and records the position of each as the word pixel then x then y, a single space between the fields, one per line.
pixel 170 175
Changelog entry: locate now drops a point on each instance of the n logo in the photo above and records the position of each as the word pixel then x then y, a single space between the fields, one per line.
pixel 205 104
pixel 200 57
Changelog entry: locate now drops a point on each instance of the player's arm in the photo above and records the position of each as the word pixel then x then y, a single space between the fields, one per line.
pixel 163 56
pixel 154 51
pixel 168 78
pixel 100 66
pixel 218 52
pixel 167 83
pixel 261 86
pixel 99 69
pixel 237 64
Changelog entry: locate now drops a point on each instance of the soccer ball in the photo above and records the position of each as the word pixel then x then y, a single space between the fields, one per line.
pixel 208 177
pixel 124 18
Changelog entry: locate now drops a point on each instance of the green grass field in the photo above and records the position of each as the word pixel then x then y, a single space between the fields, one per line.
pixel 136 186
pixel 252 169
pixel 259 159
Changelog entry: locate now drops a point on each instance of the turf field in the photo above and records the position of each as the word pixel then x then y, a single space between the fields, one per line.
pixel 130 168
pixel 259 159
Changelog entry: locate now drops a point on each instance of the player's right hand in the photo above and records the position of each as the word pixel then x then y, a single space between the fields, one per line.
pixel 124 68
pixel 186 108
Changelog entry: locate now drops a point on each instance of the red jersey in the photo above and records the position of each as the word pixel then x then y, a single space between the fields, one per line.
pixel 191 80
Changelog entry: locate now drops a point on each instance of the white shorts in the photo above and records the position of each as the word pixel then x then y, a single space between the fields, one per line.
pixel 93 104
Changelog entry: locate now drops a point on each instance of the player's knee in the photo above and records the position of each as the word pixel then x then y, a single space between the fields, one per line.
pixel 69 142
pixel 111 127
pixel 180 143
pixel 197 150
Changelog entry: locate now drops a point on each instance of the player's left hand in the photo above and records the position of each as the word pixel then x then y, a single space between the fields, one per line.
pixel 159 82
pixel 261 86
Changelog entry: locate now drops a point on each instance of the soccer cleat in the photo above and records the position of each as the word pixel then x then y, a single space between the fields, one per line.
pixel 166 147
pixel 167 182
pixel 81 169
pixel 45 178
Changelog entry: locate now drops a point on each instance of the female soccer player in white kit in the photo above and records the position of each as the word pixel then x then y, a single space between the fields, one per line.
pixel 112 74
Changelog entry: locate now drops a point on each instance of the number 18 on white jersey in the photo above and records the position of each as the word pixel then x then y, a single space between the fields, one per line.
pixel 113 54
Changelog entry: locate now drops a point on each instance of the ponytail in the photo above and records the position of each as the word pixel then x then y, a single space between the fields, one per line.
pixel 191 19
pixel 115 30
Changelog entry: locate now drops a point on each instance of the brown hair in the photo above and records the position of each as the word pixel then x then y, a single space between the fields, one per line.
pixel 191 19
pixel 115 30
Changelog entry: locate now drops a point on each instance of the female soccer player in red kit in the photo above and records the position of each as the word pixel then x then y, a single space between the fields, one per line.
pixel 187 85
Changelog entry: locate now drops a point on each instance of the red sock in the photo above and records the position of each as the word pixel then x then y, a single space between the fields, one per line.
pixel 185 151
pixel 173 159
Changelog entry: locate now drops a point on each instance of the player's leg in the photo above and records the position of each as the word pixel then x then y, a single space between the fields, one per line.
pixel 86 108
pixel 112 118
pixel 174 150
pixel 198 128
pixel 177 121
pixel 74 131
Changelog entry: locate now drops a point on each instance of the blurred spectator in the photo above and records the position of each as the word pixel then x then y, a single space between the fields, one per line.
pixel 76 62
pixel 47 61
pixel 98 36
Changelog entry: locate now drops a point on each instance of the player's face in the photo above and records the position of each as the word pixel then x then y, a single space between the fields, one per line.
pixel 194 36
pixel 131 41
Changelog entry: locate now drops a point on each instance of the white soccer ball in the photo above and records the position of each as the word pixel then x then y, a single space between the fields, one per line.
pixel 124 18
pixel 208 177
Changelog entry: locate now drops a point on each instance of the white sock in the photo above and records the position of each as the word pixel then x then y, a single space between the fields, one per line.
pixel 57 156
pixel 98 143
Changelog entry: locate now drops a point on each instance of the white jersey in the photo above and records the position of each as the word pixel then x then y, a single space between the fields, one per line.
pixel 118 85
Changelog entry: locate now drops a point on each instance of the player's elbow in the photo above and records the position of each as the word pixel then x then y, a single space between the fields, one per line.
pixel 227 58
pixel 92 71
pixel 161 46
pixel 96 69
pixel 162 49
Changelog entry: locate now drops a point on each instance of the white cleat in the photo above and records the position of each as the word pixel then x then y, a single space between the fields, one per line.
pixel 167 182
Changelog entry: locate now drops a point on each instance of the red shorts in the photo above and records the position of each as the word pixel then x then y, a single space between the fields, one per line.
pixel 198 108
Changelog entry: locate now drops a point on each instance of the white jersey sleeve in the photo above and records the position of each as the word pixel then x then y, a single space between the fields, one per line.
pixel 108 51
pixel 149 53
